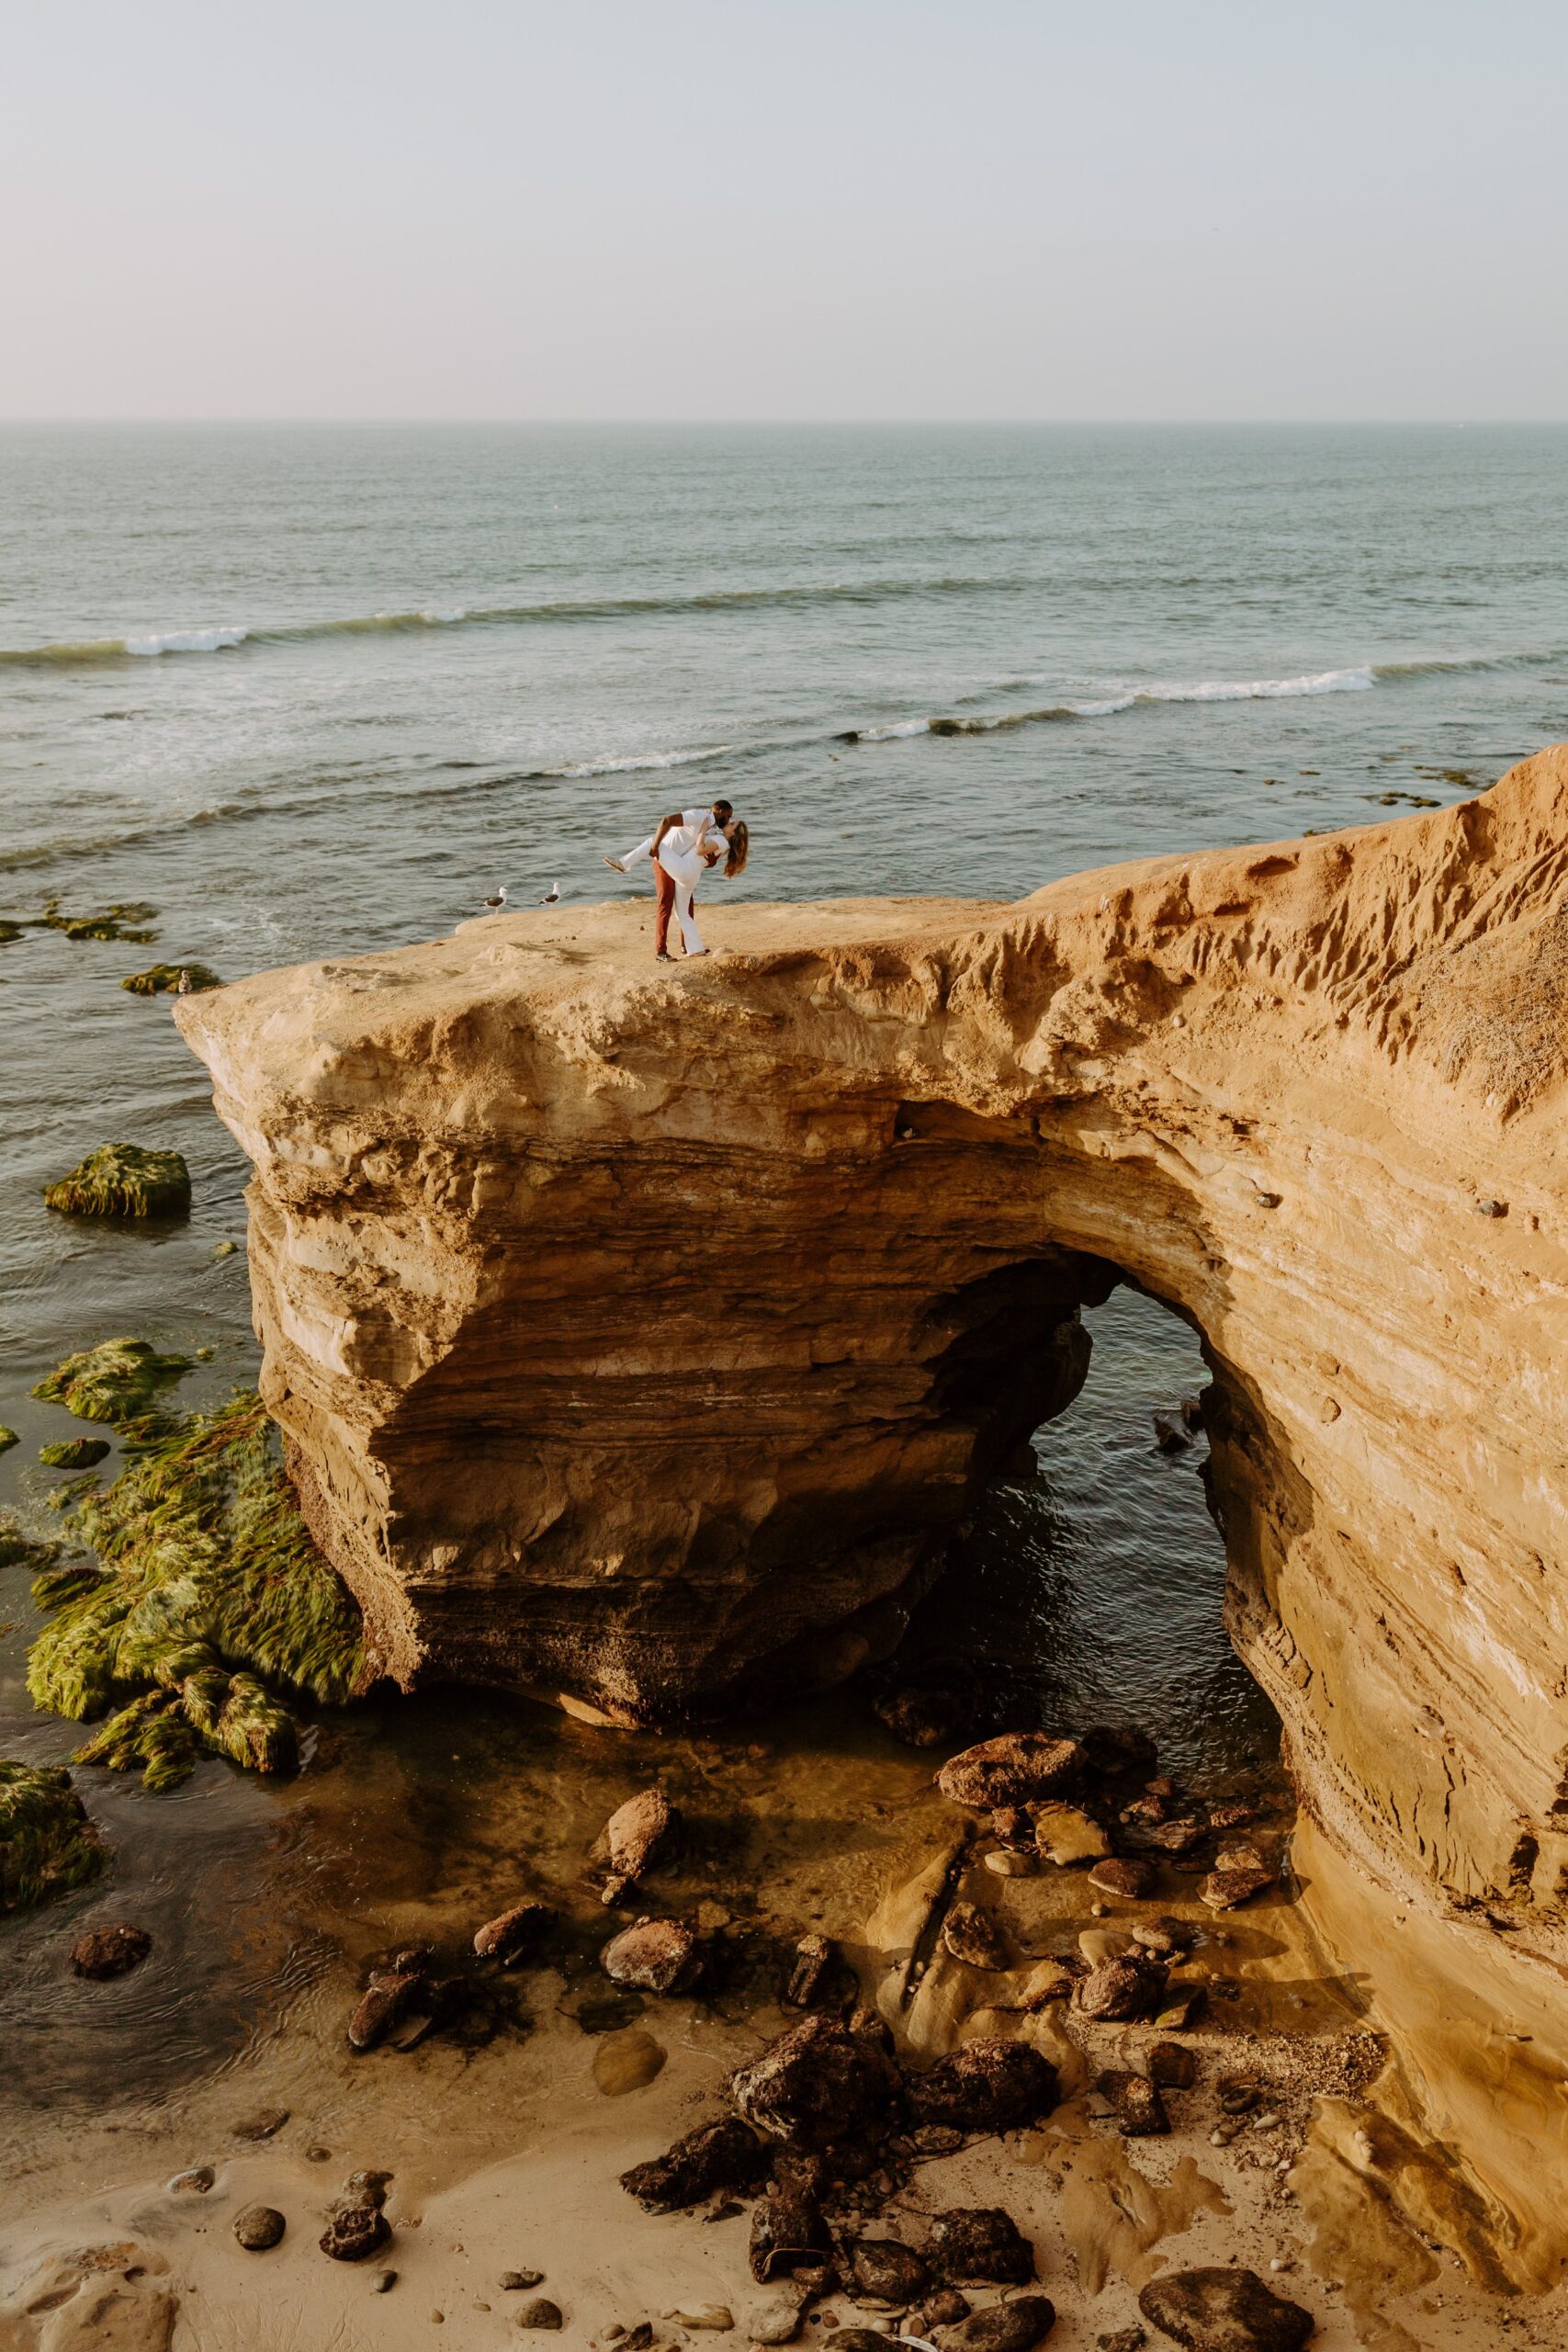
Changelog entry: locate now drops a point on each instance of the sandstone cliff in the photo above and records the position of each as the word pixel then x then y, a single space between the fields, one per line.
pixel 639 1331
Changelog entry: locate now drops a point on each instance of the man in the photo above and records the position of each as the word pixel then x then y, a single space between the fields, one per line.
pixel 719 817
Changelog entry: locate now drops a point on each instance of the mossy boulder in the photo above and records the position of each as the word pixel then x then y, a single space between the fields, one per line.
pixel 159 979
pixel 124 922
pixel 47 1843
pixel 73 1452
pixel 123 1179
pixel 8 1438
pixel 206 1593
pixel 116 1382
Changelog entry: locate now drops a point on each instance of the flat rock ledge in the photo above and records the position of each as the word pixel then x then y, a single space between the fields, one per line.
pixel 639 1333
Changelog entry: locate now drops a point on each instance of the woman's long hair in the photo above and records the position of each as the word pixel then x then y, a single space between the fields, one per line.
pixel 740 848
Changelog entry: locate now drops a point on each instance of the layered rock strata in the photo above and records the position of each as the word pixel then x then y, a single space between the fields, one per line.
pixel 640 1333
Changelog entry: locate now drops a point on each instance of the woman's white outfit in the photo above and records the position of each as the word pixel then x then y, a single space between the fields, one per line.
pixel 680 855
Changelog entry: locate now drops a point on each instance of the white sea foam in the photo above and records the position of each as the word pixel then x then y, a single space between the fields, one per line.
pixel 638 761
pixel 188 640
pixel 1320 681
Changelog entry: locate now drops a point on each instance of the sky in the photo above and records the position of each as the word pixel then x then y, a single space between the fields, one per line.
pixel 784 208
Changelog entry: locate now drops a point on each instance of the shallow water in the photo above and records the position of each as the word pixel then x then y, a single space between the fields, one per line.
pixel 1231 634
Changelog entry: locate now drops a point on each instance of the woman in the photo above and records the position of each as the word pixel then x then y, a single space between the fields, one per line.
pixel 686 852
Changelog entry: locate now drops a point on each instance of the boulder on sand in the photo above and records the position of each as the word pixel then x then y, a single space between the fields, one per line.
pixel 1011 1769
pixel 104 1953
pixel 1223 2311
pixel 1017 2326
pixel 723 2154
pixel 818 2084
pixel 655 1955
pixel 987 2085
pixel 886 2271
pixel 630 1840
pixel 980 2244
pixel 515 1935
pixel 1118 1990
pixel 787 2230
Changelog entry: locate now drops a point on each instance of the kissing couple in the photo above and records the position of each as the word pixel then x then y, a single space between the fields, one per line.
pixel 688 844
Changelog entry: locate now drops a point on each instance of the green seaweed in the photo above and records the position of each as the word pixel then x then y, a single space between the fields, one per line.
pixel 73 1452
pixel 159 980
pixel 8 1438
pixel 9 930
pixel 207 1590
pixel 16 1545
pixel 117 1382
pixel 123 1179
pixel 47 1843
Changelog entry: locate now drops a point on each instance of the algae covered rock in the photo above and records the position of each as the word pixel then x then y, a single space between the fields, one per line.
pixel 205 1592
pixel 73 1452
pixel 8 1438
pixel 159 979
pixel 116 1382
pixel 123 1179
pixel 47 1843
pixel 122 921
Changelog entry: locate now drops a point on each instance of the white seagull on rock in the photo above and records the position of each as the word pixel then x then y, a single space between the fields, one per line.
pixel 496 904
pixel 552 896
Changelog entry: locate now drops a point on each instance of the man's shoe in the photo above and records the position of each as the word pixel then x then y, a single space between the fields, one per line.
pixel 662 955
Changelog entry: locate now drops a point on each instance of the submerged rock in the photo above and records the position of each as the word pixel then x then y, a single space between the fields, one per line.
pixel 978 2244
pixel 1066 1834
pixel 972 1936
pixel 1223 2311
pixel 723 2154
pixel 8 1438
pixel 47 1843
pixel 1010 1771
pixel 818 2084
pixel 1118 1990
pixel 120 1179
pixel 986 2085
pixel 923 1715
pixel 631 1839
pixel 813 1957
pixel 105 1952
pixel 515 1936
pixel 1226 1890
pixel 74 1453
pixel 386 1999
pixel 656 1955
pixel 1137 2103
pixel 1015 2326
pixel 116 1382
pixel 1120 1875
pixel 626 2062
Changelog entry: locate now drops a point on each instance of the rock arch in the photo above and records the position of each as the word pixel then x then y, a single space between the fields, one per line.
pixel 638 1335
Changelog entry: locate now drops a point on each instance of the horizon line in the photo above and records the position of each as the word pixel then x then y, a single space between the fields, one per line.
pixel 692 424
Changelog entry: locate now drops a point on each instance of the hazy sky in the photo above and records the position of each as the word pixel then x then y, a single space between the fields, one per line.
pixel 784 208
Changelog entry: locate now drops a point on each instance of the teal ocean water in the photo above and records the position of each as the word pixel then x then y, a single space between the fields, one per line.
pixel 313 691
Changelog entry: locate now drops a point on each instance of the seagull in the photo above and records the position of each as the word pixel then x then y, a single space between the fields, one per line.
pixel 552 896
pixel 496 904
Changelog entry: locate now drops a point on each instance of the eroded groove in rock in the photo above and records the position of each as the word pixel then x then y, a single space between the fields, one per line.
pixel 641 1335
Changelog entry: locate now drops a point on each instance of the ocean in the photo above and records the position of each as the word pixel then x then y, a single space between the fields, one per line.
pixel 312 691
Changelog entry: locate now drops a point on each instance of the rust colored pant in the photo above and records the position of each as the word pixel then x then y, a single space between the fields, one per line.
pixel 665 886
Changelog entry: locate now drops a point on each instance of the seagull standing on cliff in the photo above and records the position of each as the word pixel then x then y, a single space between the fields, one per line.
pixel 496 904
pixel 552 896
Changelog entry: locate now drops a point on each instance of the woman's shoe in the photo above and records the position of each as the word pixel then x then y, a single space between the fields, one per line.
pixel 614 865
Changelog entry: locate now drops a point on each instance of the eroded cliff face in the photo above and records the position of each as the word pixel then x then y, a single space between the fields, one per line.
pixel 639 1332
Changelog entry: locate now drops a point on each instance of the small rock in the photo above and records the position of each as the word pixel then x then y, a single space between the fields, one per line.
pixel 1012 1770
pixel 194 2183
pixel 1241 1855
pixel 263 2126
pixel 1126 2339
pixel 1231 1816
pixel 862 2339
pixel 516 1935
pixel 318 2155
pixel 1146 1811
pixel 813 1957
pixel 383 2282
pixel 1120 1989
pixel 1136 2104
pixel 819 2083
pixel 1171 2066
pixel 656 1955
pixel 1226 2309
pixel 1168 1437
pixel 1002 2328
pixel 1181 2009
pixel 1175 1837
pixel 1224 1890
pixel 630 1840
pixel 354 2232
pixel 104 1953
pixel 626 2062
pixel 259 2228
pixel 1163 1938
pixel 986 2085
pixel 1193 1414
pixel 703 2315
pixel 724 2154
pixel 1005 1864
pixel 1119 1875
pixel 1012 1824
pixel 887 2271
pixel 540 2312
pixel 972 1936
pixel 1491 1208
pixel 775 2318
pixel 924 1715
pixel 936 2140
pixel 944 2308
pixel 1066 1834
pixel 1237 2098
pixel 511 2279
pixel 386 2000
pixel 979 2243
